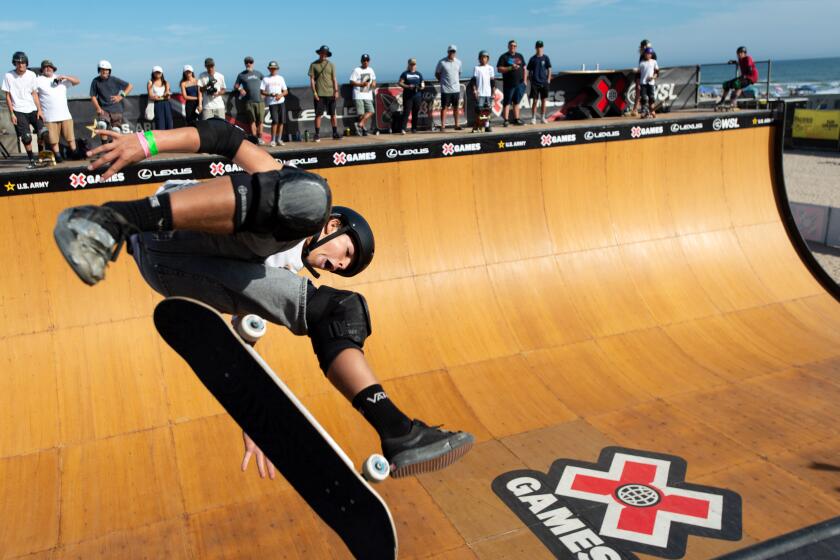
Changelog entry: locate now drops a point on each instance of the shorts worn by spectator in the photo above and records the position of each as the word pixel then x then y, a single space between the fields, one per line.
pixel 52 91
pixel 412 84
pixel 191 92
pixel 511 65
pixel 539 74
pixel 248 84
pixel 484 80
pixel 363 80
pixel 21 88
pixel 275 90
pixel 448 73
pixel 107 93
pixel 213 87
pixel 324 86
pixel 748 76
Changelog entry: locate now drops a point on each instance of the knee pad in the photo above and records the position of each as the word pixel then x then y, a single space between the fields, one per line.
pixel 290 204
pixel 336 320
pixel 26 138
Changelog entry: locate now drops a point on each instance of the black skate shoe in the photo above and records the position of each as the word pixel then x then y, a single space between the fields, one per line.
pixel 425 449
pixel 83 235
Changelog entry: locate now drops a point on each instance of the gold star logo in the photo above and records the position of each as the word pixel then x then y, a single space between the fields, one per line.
pixel 92 128
pixel 501 144
pixel 755 120
pixel 9 186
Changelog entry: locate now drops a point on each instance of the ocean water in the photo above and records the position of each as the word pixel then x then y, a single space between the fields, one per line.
pixel 807 76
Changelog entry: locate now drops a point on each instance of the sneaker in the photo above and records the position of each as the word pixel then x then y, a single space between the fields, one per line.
pixel 518 122
pixel 488 129
pixel 364 132
pixel 336 135
pixel 32 164
pixel 474 130
pixel 281 143
pixel 402 132
pixel 425 449
pixel 505 124
pixel 317 137
pixel 533 120
pixel 459 128
pixel 273 143
pixel 83 236
pixel 543 120
pixel 260 141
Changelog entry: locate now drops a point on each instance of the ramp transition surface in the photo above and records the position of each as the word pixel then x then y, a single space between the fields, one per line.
pixel 555 302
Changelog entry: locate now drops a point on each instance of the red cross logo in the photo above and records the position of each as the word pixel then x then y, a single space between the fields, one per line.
pixel 78 180
pixel 217 169
pixel 636 132
pixel 339 158
pixel 640 505
pixel 545 140
pixel 448 149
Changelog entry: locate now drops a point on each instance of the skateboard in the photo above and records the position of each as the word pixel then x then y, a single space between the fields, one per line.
pixel 266 409
pixel 46 158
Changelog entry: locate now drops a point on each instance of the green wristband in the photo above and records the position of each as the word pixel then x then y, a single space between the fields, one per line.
pixel 150 138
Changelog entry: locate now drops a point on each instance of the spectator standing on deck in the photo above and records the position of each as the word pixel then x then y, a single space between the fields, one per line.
pixel 21 90
pixel 363 80
pixel 748 76
pixel 212 85
pixel 107 93
pixel 325 90
pixel 274 89
pixel 412 84
pixel 484 82
pixel 191 94
pixel 448 73
pixel 159 93
pixel 248 84
pixel 511 66
pixel 648 72
pixel 645 44
pixel 52 91
pixel 539 74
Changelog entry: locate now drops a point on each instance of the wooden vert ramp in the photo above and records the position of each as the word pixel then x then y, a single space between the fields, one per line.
pixel 556 302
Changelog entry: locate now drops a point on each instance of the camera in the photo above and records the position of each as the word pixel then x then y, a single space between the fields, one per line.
pixel 211 88
pixel 55 82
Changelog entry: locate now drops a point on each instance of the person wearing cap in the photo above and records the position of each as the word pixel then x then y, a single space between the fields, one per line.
pixel 22 100
pixel 412 84
pixel 511 66
pixel 275 90
pixel 106 94
pixel 159 94
pixel 448 73
pixel 191 94
pixel 248 84
pixel 324 90
pixel 52 91
pixel 483 83
pixel 213 87
pixel 748 75
pixel 634 112
pixel 539 74
pixel 363 80
pixel 648 72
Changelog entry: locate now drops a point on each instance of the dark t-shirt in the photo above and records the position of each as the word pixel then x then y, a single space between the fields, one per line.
pixel 251 81
pixel 538 67
pixel 104 89
pixel 514 77
pixel 412 79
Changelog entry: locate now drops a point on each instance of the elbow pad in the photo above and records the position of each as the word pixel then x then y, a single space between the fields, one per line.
pixel 217 136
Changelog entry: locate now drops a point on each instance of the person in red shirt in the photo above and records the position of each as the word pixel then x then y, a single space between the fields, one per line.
pixel 748 76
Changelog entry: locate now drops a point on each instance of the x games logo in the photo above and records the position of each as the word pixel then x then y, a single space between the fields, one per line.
pixel 630 501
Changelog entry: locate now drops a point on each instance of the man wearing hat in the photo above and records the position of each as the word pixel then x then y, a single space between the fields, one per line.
pixel 22 101
pixel 324 90
pixel 107 93
pixel 363 80
pixel 52 91
pixel 539 74
pixel 248 84
pixel 448 73
pixel 212 86
pixel 275 90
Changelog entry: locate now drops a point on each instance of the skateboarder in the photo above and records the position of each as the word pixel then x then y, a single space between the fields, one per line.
pixel 209 242
pixel 748 76
pixel 483 84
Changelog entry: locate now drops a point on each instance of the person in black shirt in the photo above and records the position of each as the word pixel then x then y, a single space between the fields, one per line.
pixel 539 72
pixel 511 66
pixel 412 83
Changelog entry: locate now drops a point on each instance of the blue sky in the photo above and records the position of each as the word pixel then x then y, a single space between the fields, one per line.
pixel 135 36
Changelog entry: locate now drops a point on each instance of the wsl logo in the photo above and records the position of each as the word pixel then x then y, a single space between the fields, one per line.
pixel 726 124
pixel 629 501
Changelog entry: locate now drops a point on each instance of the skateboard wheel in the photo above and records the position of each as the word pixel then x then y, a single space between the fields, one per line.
pixel 250 327
pixel 376 468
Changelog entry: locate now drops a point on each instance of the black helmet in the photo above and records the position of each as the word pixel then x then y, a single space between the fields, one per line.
pixel 742 49
pixel 20 56
pixel 360 233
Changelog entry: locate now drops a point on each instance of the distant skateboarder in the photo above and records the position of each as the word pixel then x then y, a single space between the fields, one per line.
pixel 210 241
pixel 748 75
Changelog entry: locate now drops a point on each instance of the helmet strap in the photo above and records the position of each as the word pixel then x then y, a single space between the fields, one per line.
pixel 315 243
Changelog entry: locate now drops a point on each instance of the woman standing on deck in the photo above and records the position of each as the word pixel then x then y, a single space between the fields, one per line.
pixel 191 94
pixel 158 89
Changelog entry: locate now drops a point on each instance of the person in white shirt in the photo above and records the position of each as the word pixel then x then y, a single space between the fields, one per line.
pixel 363 80
pixel 22 99
pixel 484 80
pixel 648 72
pixel 52 92
pixel 212 85
pixel 274 90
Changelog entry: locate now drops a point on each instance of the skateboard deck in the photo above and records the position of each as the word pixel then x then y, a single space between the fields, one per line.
pixel 301 450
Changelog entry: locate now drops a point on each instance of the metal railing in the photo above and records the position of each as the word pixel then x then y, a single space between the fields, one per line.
pixel 766 65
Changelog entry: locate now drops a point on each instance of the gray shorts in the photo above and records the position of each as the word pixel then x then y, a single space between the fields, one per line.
pixel 212 113
pixel 363 106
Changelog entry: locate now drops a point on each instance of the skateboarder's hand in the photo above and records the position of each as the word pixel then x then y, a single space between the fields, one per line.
pixel 263 464
pixel 123 150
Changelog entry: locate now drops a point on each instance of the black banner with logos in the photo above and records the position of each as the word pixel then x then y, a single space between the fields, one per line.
pixel 442 146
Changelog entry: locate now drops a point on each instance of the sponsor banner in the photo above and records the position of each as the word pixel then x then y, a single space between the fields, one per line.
pixel 320 156
pixel 816 125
